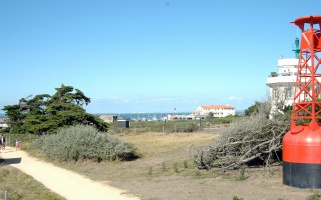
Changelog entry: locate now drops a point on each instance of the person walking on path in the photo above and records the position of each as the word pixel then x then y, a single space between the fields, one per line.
pixel 3 140
pixel 1 143
pixel 17 145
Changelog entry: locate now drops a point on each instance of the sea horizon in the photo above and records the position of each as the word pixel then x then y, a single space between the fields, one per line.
pixel 146 115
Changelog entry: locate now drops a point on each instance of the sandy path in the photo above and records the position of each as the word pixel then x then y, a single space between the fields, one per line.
pixel 63 182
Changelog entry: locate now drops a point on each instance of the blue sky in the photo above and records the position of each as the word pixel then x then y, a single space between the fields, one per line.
pixel 146 55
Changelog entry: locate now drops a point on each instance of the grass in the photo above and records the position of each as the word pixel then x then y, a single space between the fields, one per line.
pixel 173 148
pixel 315 197
pixel 171 126
pixel 21 186
pixel 235 197
pixel 164 159
pixel 151 144
pixel 241 176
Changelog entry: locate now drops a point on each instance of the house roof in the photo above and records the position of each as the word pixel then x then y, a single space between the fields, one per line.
pixel 173 117
pixel 217 106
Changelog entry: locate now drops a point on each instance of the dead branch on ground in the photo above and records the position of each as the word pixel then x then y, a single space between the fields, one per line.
pixel 248 140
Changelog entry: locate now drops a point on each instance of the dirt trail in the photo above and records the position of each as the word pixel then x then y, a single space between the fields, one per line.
pixel 63 182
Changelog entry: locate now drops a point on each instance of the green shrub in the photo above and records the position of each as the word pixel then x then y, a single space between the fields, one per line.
pixel 314 197
pixel 173 126
pixel 241 176
pixel 235 197
pixel 84 143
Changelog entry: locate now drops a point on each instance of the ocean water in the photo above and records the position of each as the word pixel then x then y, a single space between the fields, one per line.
pixel 147 116
pixel 157 115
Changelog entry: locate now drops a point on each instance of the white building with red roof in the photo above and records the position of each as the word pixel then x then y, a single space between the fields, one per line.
pixel 217 110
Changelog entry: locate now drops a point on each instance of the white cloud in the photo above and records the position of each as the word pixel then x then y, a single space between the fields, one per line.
pixel 162 99
pixel 234 98
pixel 104 98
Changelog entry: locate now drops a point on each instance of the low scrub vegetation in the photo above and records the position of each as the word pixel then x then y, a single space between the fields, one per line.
pixel 174 126
pixel 314 197
pixel 171 126
pixel 84 143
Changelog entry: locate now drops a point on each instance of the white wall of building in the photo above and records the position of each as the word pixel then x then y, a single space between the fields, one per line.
pixel 217 110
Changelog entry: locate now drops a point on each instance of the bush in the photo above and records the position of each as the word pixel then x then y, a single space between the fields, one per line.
pixel 314 197
pixel 84 143
pixel 249 140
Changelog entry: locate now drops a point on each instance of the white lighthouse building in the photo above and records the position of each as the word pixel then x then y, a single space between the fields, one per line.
pixel 281 83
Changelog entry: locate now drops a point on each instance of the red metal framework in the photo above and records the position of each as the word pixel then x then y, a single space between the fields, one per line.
pixel 306 106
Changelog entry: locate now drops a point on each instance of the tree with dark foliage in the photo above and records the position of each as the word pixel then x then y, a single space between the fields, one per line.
pixel 46 114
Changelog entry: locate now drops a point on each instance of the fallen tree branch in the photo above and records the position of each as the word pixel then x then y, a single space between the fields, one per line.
pixel 247 140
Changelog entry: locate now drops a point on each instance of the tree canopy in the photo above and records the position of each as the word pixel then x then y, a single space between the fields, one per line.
pixel 46 114
pixel 252 109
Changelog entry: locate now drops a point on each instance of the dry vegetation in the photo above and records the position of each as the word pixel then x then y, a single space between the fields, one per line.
pixel 166 170
pixel 255 139
pixel 248 141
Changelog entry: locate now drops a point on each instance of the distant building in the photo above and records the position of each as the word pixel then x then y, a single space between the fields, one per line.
pixel 217 110
pixel 108 118
pixel 172 117
pixel 3 122
pixel 281 83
